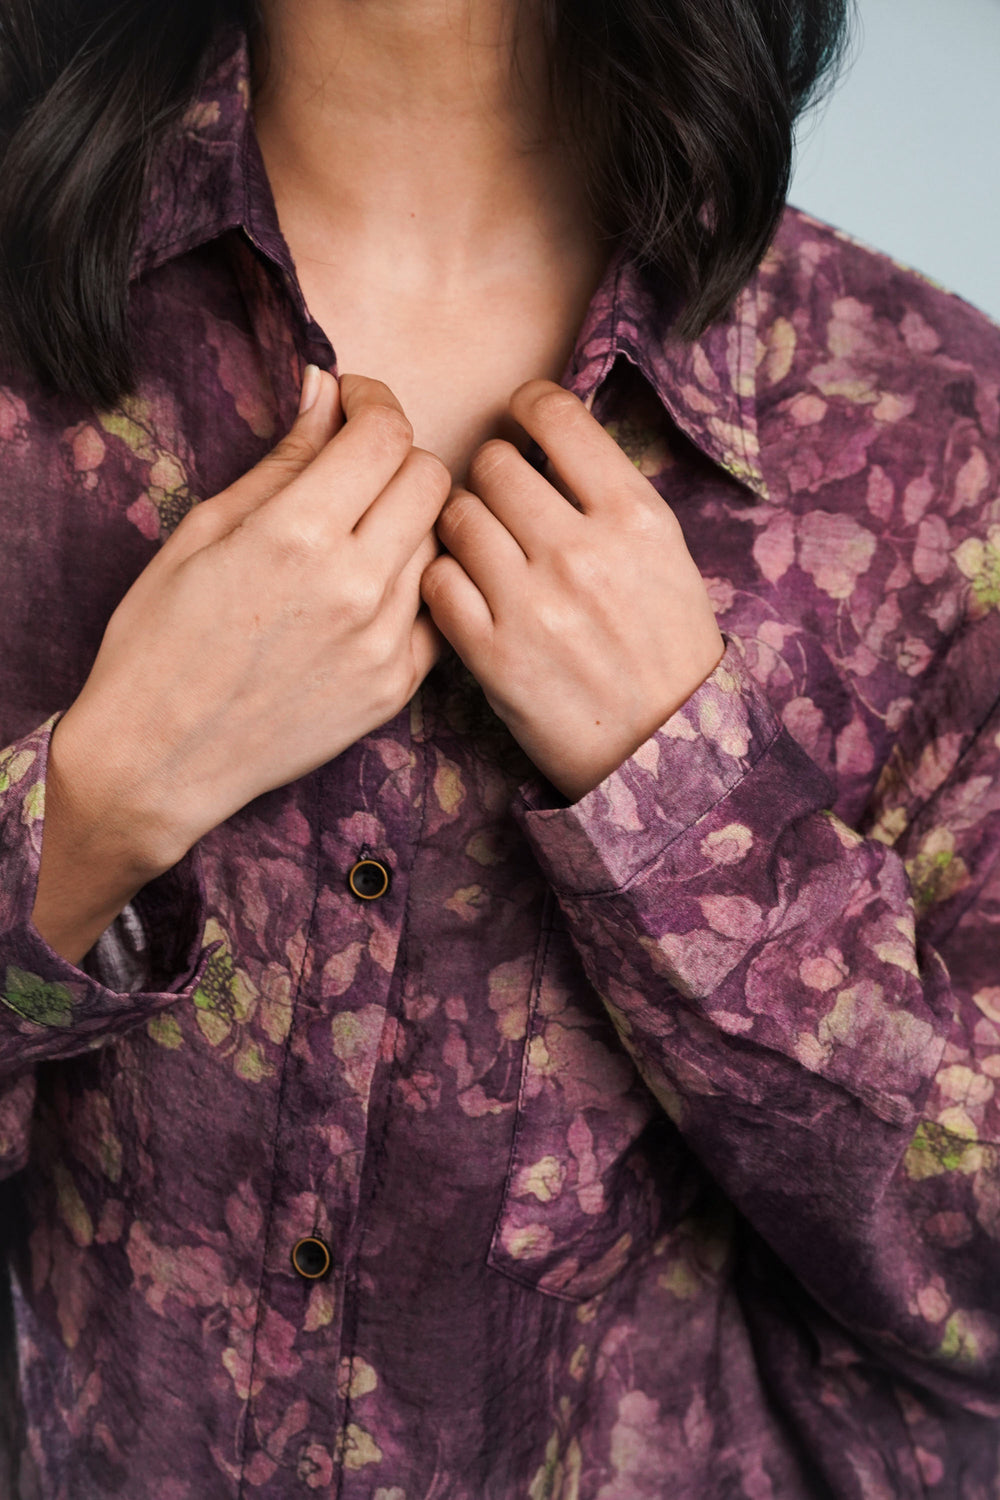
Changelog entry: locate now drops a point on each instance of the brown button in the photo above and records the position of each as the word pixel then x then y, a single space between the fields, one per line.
pixel 368 879
pixel 311 1258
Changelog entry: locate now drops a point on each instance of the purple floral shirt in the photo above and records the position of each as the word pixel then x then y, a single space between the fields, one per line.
pixel 644 1148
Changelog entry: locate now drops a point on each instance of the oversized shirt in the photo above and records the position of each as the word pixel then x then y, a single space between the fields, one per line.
pixel 653 1138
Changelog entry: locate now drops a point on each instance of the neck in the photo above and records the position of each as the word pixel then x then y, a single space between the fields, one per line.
pixel 417 134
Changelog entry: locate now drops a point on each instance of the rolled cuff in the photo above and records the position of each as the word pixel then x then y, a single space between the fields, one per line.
pixel 48 1006
pixel 713 742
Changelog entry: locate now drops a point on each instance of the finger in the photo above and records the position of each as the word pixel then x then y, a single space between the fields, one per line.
pixel 403 596
pixel 457 607
pixel 427 646
pixel 305 439
pixel 584 456
pixel 520 498
pixel 558 483
pixel 336 489
pixel 393 526
pixel 488 553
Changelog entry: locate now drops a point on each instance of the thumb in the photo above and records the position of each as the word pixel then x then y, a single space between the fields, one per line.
pixel 319 418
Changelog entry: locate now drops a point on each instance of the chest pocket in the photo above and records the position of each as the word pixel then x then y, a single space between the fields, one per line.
pixel 597 1170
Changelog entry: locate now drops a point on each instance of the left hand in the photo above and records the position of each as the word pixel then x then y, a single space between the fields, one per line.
pixel 586 628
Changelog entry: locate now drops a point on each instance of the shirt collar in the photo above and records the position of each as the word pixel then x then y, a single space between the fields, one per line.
pixel 708 386
pixel 207 177
pixel 196 187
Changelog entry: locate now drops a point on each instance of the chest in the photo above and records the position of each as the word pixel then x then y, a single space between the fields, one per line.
pixel 452 361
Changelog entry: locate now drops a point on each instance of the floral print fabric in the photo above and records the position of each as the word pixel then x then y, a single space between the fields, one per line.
pixel 654 1137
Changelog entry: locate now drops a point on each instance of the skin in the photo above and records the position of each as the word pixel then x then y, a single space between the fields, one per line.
pixel 330 578
pixel 396 138
pixel 574 602
pixel 585 620
pixel 436 230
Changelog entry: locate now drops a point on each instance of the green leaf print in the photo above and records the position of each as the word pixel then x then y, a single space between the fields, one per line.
pixel 214 998
pixel 936 872
pixel 979 560
pixel 14 766
pixel 32 998
pixel 226 997
pixel 935 1149
pixel 130 422
pixel 165 1031
pixel 961 1342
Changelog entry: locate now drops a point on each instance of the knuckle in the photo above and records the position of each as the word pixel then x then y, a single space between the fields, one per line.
pixel 449 513
pixel 405 684
pixel 200 524
pixel 425 554
pixel 455 513
pixel 557 619
pixel 551 404
pixel 297 540
pixel 431 473
pixel 391 664
pixel 646 524
pixel 432 578
pixel 583 568
pixel 387 427
pixel 360 391
pixel 360 600
pixel 390 698
pixel 291 455
pixel 385 671
pixel 487 458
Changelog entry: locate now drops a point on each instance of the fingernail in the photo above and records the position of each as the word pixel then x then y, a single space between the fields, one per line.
pixel 310 388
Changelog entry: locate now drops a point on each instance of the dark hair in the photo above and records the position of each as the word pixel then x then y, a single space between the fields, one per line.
pixel 679 113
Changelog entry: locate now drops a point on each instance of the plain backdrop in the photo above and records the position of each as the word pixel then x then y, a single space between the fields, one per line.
pixel 906 153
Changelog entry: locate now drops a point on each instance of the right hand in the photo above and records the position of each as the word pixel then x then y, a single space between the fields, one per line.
pixel 278 624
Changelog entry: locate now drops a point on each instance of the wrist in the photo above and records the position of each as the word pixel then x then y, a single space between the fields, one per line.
pixel 94 800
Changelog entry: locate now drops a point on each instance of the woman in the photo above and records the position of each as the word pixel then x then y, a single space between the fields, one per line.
pixel 499 902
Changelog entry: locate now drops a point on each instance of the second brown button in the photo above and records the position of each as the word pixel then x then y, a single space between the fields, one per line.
pixel 311 1258
pixel 368 879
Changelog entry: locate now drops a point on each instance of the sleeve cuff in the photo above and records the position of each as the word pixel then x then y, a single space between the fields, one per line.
pixel 41 992
pixel 707 747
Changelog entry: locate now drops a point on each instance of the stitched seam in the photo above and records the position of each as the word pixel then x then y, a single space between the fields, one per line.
pixel 349 1330
pixel 922 806
pixel 615 890
pixel 541 1291
pixel 541 959
pixel 244 1435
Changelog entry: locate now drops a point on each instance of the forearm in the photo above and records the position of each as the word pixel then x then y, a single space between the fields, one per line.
pixel 93 859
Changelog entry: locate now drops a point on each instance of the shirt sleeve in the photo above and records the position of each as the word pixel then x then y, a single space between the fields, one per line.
pixel 818 1010
pixel 51 1008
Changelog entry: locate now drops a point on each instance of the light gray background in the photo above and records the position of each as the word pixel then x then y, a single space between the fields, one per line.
pixel 906 153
